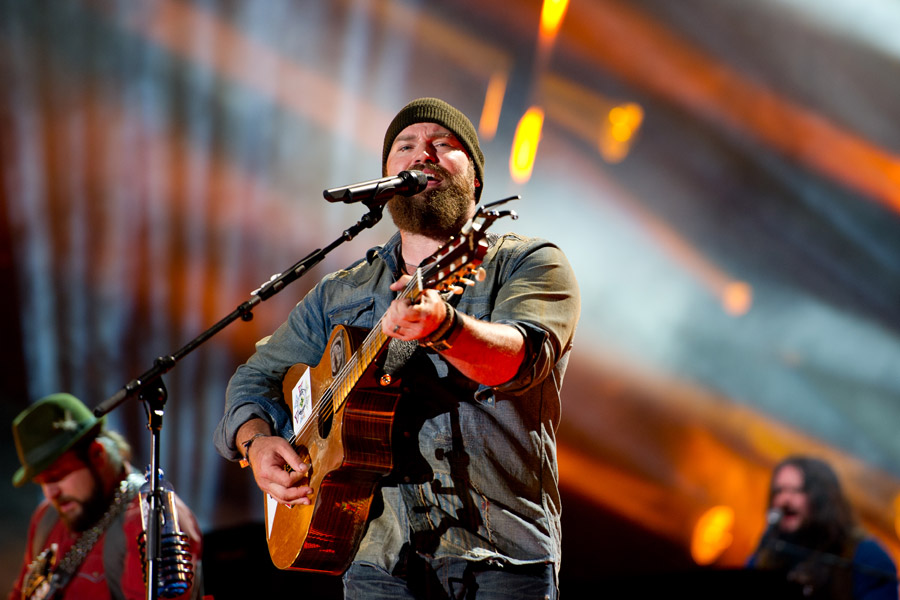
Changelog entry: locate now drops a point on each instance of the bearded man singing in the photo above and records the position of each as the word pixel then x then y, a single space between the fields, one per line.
pixel 471 505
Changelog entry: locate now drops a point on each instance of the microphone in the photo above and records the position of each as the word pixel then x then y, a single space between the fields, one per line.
pixel 773 518
pixel 176 570
pixel 404 183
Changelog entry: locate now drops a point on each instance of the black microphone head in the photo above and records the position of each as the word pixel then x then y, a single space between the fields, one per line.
pixel 417 181
pixel 773 516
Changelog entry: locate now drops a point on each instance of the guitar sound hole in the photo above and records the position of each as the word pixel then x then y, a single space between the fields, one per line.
pixel 325 418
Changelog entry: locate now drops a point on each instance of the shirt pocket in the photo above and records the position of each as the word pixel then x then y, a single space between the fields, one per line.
pixel 358 313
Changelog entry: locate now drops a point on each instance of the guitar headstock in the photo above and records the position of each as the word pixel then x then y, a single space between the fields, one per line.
pixel 458 260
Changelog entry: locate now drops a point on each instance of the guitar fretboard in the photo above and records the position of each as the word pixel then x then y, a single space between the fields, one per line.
pixel 337 393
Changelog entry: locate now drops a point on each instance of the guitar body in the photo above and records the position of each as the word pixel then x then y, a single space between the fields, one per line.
pixel 346 437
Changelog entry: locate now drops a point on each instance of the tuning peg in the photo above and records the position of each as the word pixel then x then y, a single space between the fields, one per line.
pixel 480 274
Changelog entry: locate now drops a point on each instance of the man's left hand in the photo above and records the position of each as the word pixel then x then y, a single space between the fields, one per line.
pixel 406 320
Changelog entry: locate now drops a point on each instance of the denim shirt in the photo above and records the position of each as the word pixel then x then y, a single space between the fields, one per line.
pixel 475 472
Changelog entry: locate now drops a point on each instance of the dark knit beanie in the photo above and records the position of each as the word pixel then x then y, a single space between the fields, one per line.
pixel 433 110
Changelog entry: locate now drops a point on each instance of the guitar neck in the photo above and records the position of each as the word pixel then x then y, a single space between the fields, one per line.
pixel 350 375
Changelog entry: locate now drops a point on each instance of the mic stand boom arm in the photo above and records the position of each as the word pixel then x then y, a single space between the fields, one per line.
pixel 150 388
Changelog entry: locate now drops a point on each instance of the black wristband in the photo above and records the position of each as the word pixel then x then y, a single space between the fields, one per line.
pixel 443 337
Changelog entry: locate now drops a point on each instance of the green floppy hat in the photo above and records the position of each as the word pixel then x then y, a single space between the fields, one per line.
pixel 48 429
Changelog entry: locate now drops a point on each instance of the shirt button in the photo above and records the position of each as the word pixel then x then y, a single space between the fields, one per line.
pixel 406 479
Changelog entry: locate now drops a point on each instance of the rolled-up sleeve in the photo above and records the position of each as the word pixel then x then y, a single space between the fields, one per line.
pixel 539 296
pixel 254 391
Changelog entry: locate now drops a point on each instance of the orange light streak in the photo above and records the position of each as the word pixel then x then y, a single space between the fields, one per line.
pixel 637 498
pixel 643 52
pixel 590 116
pixel 493 102
pixel 662 451
pixel 716 280
pixel 174 25
pixel 897 515
pixel 525 144
pixel 231 53
pixel 735 296
pixel 552 15
pixel 582 112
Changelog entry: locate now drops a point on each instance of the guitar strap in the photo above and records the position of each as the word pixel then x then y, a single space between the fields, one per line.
pixel 43 586
pixel 398 354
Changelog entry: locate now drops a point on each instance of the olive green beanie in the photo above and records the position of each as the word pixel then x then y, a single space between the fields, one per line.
pixel 433 110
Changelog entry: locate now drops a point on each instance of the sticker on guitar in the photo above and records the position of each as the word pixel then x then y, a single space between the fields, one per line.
pixel 301 396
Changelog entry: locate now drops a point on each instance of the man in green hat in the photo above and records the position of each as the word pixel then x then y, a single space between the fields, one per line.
pixel 471 501
pixel 83 541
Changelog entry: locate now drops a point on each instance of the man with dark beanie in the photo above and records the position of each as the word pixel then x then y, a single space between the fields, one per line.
pixel 468 503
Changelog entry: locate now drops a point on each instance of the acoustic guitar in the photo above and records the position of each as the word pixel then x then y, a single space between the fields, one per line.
pixel 343 412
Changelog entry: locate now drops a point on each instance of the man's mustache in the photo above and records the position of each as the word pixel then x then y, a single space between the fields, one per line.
pixel 444 173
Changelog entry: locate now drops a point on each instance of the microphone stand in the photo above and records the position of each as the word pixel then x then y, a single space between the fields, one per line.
pixel 150 388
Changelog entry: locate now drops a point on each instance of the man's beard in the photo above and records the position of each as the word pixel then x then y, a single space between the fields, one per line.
pixel 438 213
pixel 91 509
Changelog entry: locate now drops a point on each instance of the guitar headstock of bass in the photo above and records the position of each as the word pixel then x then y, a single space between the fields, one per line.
pixel 457 262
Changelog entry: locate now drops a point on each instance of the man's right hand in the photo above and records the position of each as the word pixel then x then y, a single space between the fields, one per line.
pixel 277 467
pixel 279 471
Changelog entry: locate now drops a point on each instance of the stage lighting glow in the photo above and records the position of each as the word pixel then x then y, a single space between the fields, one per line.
pixel 493 101
pixel 551 17
pixel 525 143
pixel 619 129
pixel 897 516
pixel 737 297
pixel 712 534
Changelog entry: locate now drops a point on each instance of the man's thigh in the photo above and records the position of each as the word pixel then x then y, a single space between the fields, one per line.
pixel 452 578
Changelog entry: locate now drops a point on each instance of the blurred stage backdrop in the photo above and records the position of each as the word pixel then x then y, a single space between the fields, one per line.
pixel 724 176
